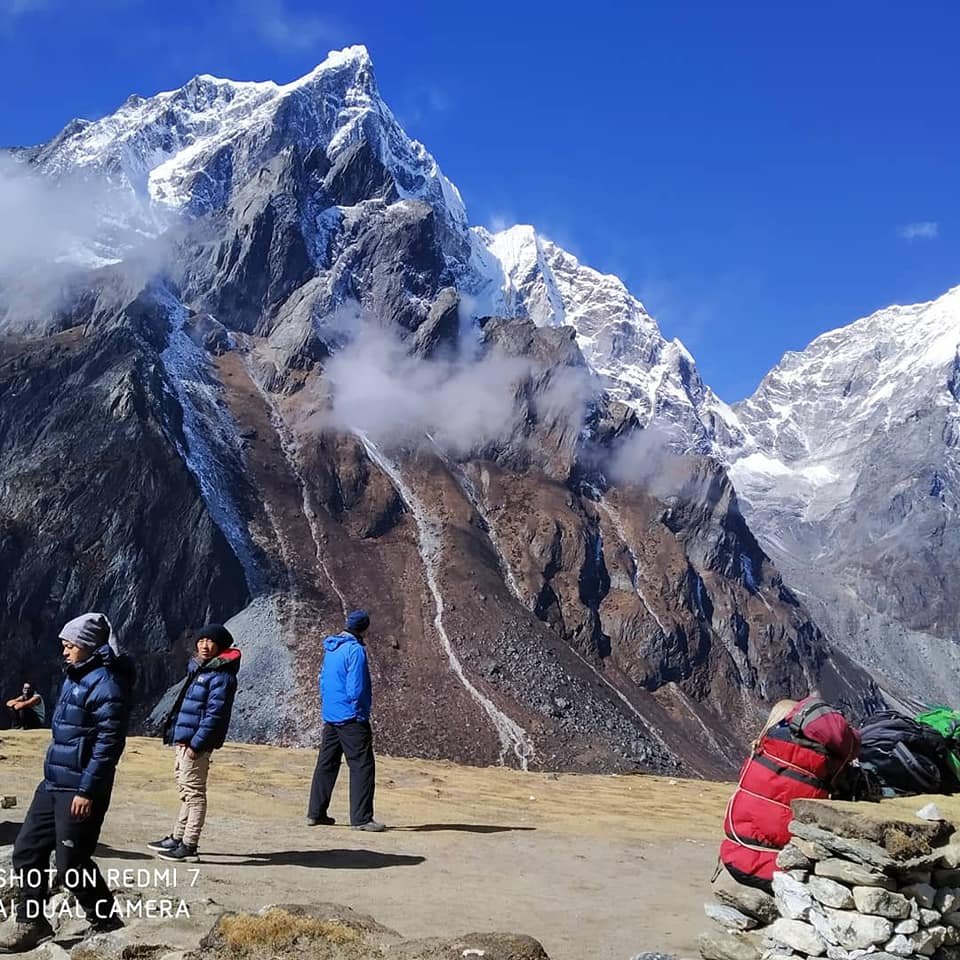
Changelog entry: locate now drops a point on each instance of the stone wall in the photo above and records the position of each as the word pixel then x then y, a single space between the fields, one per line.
pixel 866 880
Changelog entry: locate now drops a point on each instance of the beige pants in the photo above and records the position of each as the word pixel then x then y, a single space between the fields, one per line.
pixel 191 774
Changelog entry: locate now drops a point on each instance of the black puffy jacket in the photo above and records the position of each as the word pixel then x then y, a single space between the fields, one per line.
pixel 89 725
pixel 201 715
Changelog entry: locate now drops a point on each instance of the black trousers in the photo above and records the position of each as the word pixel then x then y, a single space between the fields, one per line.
pixel 24 720
pixel 354 740
pixel 49 826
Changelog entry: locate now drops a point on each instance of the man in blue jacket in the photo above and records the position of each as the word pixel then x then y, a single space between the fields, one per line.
pixel 197 725
pixel 89 729
pixel 346 698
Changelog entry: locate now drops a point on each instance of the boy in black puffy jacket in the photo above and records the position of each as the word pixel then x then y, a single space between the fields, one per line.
pixel 89 729
pixel 196 726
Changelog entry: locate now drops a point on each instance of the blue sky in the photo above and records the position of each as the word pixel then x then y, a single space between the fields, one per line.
pixel 757 173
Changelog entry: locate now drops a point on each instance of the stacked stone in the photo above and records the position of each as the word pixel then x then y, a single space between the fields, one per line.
pixel 853 883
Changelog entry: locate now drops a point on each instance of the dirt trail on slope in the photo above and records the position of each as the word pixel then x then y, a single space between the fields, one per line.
pixel 592 866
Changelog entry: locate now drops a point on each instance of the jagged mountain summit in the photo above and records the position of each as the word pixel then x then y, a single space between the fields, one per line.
pixel 285 377
pixel 529 276
pixel 847 461
pixel 186 149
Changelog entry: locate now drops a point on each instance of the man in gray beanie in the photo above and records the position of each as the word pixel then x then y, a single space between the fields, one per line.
pixel 89 632
pixel 89 729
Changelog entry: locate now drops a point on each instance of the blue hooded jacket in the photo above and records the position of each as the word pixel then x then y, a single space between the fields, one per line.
pixel 89 725
pixel 346 692
pixel 201 715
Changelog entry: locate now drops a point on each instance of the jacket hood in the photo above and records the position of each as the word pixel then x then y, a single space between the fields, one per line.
pixel 120 665
pixel 228 661
pixel 103 656
pixel 339 639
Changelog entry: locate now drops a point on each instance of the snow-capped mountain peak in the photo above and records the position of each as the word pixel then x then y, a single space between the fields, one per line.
pixel 803 431
pixel 183 150
pixel 845 459
pixel 528 275
pixel 286 458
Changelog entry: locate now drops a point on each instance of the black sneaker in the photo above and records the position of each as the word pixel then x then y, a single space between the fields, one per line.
pixel 167 843
pixel 18 936
pixel 323 821
pixel 182 853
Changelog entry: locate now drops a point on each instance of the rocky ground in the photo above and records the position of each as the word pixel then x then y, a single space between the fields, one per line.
pixel 858 881
pixel 603 867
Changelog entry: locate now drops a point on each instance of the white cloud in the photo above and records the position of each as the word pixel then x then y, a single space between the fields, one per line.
pixel 287 29
pixel 422 103
pixel 437 100
pixel 378 387
pixel 373 384
pixel 41 221
pixel 53 231
pixel 12 11
pixel 500 222
pixel 922 230
pixel 649 459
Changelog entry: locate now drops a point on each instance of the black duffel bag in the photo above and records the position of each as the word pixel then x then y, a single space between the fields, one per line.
pixel 908 757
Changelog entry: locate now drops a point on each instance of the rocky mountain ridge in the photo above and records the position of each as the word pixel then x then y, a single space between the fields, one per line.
pixel 846 459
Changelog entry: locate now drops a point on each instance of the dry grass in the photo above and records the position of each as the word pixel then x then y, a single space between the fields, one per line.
pixel 279 928
pixel 271 784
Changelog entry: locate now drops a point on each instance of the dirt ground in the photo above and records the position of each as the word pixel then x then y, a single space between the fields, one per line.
pixel 599 867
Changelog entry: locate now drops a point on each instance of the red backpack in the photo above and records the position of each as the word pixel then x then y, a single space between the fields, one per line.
pixel 800 757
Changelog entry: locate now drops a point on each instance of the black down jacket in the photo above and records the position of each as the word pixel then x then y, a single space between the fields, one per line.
pixel 201 715
pixel 89 725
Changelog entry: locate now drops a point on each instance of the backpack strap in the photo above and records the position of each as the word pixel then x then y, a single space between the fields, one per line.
pixel 927 780
pixel 808 712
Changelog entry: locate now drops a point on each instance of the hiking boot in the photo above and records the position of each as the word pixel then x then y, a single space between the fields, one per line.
pixel 167 843
pixel 323 821
pixel 182 853
pixel 109 925
pixel 19 936
pixel 371 826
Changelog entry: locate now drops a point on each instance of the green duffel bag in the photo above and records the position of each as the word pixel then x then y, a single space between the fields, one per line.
pixel 947 723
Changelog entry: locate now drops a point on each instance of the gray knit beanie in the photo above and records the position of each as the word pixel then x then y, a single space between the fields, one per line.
pixel 90 631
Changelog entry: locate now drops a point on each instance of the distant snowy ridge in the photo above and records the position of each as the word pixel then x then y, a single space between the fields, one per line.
pixel 847 464
pixel 803 427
